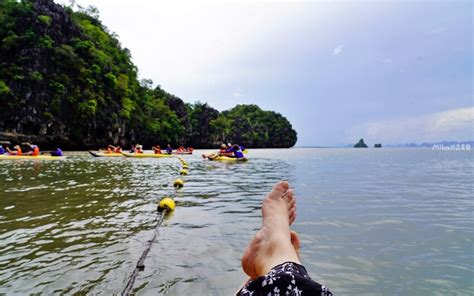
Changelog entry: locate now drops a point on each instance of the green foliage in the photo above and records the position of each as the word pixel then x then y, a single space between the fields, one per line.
pixel 46 42
pixel 36 76
pixel 111 79
pixel 222 127
pixel 10 41
pixel 45 19
pixel 4 89
pixel 127 107
pixel 87 108
pixel 253 127
pixel 57 87
pixel 48 116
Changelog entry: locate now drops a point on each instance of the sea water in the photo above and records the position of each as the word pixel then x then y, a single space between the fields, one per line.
pixel 371 221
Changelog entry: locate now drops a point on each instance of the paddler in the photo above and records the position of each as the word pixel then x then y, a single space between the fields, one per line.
pixel 236 151
pixel 139 149
pixel 56 152
pixel 34 150
pixel 114 149
pixel 169 150
pixel 16 150
pixel 222 152
pixel 157 149
pixel 2 150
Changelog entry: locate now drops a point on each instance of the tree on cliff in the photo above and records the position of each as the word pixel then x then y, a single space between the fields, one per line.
pixel 253 127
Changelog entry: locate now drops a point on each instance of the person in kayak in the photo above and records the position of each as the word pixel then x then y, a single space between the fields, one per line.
pixel 169 150
pixel 271 259
pixel 16 150
pixel 235 151
pixel 2 150
pixel 138 148
pixel 34 150
pixel 222 152
pixel 114 149
pixel 157 149
pixel 56 152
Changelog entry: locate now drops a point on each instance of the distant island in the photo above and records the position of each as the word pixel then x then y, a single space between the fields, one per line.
pixel 378 145
pixel 360 144
pixel 66 80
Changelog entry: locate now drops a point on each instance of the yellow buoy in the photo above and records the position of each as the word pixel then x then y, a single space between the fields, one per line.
pixel 185 166
pixel 183 172
pixel 166 203
pixel 178 183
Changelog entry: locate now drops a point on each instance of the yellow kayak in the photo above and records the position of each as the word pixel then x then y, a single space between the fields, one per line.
pixel 104 154
pixel 145 155
pixel 226 158
pixel 45 157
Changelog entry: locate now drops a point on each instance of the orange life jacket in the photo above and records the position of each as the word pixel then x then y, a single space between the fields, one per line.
pixel 18 151
pixel 36 151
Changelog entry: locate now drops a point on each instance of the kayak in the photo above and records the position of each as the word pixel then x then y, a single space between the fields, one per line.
pixel 103 154
pixel 145 155
pixel 226 158
pixel 182 153
pixel 45 157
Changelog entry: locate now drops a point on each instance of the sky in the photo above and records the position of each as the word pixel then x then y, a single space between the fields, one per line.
pixel 390 72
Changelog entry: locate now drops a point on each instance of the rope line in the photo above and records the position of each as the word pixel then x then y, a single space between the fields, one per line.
pixel 141 262
pixel 140 266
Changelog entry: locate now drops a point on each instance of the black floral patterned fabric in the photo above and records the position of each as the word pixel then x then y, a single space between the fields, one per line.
pixel 288 278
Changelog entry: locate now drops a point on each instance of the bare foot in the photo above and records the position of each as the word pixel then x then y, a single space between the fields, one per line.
pixel 272 245
pixel 295 242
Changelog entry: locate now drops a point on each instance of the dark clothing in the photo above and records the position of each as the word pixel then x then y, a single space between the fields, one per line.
pixel 237 151
pixel 2 151
pixel 57 152
pixel 288 278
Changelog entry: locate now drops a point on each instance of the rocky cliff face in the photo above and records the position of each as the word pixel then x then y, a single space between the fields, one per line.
pixel 60 70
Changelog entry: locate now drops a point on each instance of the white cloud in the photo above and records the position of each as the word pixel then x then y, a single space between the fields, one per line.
pixel 237 94
pixel 193 44
pixel 338 50
pixel 455 125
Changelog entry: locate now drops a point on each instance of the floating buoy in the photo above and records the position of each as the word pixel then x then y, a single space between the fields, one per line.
pixel 178 183
pixel 185 166
pixel 166 203
pixel 183 172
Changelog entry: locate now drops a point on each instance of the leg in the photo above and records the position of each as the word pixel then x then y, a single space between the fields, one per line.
pixel 272 244
pixel 295 242
pixel 272 258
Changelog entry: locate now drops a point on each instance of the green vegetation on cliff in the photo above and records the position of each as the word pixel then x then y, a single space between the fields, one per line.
pixel 64 78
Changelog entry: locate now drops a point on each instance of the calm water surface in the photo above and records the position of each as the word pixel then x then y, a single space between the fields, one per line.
pixel 372 222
